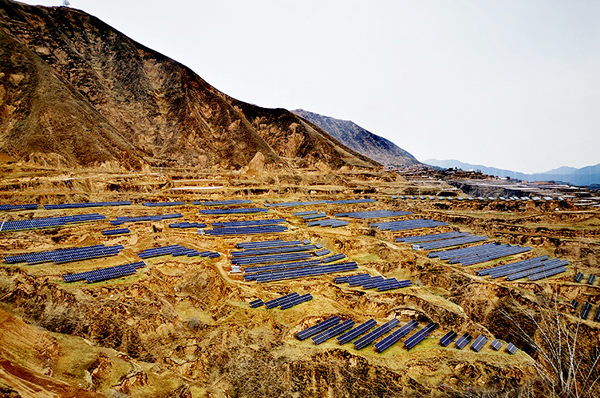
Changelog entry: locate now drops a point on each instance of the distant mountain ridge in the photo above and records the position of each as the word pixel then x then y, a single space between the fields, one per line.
pixel 588 175
pixel 360 140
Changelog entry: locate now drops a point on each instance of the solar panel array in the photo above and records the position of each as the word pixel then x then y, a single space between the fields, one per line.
pixel 332 332
pixel 176 251
pixel 311 215
pixel 319 327
pixel 407 224
pixel 184 225
pixel 296 204
pixel 221 212
pixel 370 337
pixel 261 229
pixel 62 256
pixel 103 274
pixel 479 343
pixel 268 243
pixel 350 201
pixel 365 215
pixel 305 272
pixel 367 281
pixel 158 217
pixel 270 258
pixel 49 222
pixel 511 348
pixel 163 204
pixel 90 204
pixel 357 331
pixel 273 250
pixel 534 268
pixel 31 206
pixel 392 338
pixel 222 202
pixel 329 222
pixel 478 254
pixel 118 231
pixel 463 341
pixel 448 338
pixel 437 244
pixel 335 257
pixel 256 303
pixel 416 338
pixel 284 302
pixel 496 344
pixel 431 237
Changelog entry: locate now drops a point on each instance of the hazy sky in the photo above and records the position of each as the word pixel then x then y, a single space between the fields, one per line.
pixel 513 84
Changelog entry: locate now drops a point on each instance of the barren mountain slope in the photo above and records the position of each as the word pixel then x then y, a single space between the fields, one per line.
pixel 74 86
pixel 359 139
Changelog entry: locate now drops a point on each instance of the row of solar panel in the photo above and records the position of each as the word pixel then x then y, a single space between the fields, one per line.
pixel 477 344
pixel 270 243
pixel 586 309
pixel 222 202
pixel 65 255
pixel 590 279
pixel 251 273
pixel 270 258
pixel 431 237
pixel 248 223
pixel 184 225
pixel 105 273
pixel 407 224
pixel 284 302
pixel 273 250
pixel 118 231
pixel 295 204
pixel 438 244
pixel 31 206
pixel 534 269
pixel 163 204
pixel 83 205
pixel 480 198
pixel 365 215
pixel 21 225
pixel 311 215
pixel 477 254
pixel 176 251
pixel 266 229
pixel 218 212
pixel 367 281
pixel 158 217
pixel 329 222
pixel 305 272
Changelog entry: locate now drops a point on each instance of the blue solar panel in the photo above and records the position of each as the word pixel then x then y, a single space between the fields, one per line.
pixel 511 348
pixel 372 336
pixel 295 301
pixel 273 250
pixel 305 272
pixel 163 204
pixel 250 273
pixel 268 243
pixel 392 338
pixel 332 332
pixel 496 344
pixel 463 341
pixel 32 206
pixel 222 202
pixel 256 303
pixel 431 237
pixel 216 212
pixel 118 231
pixel 578 277
pixel 319 327
pixel 277 302
pixel 365 215
pixel 416 338
pixel 48 222
pixel 357 331
pixel 407 224
pixel 350 201
pixel 479 343
pixel 105 273
pixel 265 229
pixel 295 204
pixel 159 217
pixel 83 205
pixel 585 311
pixel 65 255
pixel 333 258
pixel 329 222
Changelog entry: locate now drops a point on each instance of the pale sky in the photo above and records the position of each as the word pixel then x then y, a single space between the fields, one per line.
pixel 513 84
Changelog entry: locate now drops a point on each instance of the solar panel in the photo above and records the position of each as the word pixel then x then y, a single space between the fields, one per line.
pixel 333 258
pixel 392 338
pixel 578 277
pixel 319 327
pixel 357 331
pixel 463 341
pixel 365 215
pixel 416 338
pixel 574 304
pixel 276 302
pixel 118 231
pixel 245 210
pixel 332 332
pixel 496 344
pixel 479 343
pixel 306 271
pixel 591 279
pixel 511 348
pixel 431 237
pixel 274 250
pixel 372 336
pixel 18 207
pixel 163 204
pixel 295 301
pixel 597 316
pixel 222 202
pixel 585 311
pixel 407 224
pixel 448 338
pixel 449 242
pixel 349 201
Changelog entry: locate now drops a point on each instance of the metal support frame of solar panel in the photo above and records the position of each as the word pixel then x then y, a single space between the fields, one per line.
pixel 219 212
pixel 118 231
pixel 332 332
pixel 357 331
pixel 31 206
pixel 392 338
pixel 450 242
pixel 477 258
pixel 306 272
pixel 506 269
pixel 365 215
pixel 448 338
pixel 408 224
pixel 375 334
pixel 545 266
pixel 585 311
pixel 274 250
pixel 478 343
pixel 251 273
pixel 163 204
pixel 511 348
pixel 578 277
pixel 222 202
pixel 453 253
pixel 463 341
pixel 330 222
pixel 319 327
pixel 416 338
pixel 431 237
pixel 296 204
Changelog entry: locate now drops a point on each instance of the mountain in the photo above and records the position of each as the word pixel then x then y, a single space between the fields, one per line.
pixel 73 86
pixel 584 176
pixel 362 141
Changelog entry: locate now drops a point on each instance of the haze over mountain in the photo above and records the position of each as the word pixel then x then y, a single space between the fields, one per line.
pixel 360 139
pixel 71 85
pixel 584 176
